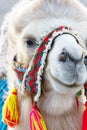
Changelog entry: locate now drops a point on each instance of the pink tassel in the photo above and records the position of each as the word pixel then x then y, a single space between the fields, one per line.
pixel 36 120
pixel 84 123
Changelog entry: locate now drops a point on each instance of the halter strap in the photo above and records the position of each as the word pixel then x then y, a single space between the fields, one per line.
pixel 30 76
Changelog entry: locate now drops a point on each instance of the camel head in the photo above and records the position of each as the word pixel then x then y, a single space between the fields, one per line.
pixel 65 63
pixel 47 59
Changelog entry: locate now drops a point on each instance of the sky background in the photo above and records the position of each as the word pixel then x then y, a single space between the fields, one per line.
pixel 5 6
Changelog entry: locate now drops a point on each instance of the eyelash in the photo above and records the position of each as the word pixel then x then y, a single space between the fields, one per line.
pixel 30 43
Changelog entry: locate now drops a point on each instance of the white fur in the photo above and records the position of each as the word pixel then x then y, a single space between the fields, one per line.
pixel 61 80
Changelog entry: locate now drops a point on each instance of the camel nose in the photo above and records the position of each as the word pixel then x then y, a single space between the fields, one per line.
pixel 65 56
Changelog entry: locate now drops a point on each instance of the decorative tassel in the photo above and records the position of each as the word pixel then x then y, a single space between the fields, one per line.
pixel 10 109
pixel 36 119
pixel 84 121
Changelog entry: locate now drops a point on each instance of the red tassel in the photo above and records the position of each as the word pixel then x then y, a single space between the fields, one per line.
pixel 84 123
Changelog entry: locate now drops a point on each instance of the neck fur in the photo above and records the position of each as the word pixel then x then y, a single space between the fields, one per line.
pixel 60 110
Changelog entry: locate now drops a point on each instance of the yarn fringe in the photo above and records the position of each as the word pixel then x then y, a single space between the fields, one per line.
pixel 36 119
pixel 10 113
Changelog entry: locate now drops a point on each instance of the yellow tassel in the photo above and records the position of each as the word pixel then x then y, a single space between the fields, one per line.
pixel 36 120
pixel 10 113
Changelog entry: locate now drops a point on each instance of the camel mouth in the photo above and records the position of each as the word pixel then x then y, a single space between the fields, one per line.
pixel 74 84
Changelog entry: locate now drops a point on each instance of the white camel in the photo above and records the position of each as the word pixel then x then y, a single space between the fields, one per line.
pixel 64 73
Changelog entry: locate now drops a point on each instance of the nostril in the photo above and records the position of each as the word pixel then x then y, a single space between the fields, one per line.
pixel 63 56
pixel 85 60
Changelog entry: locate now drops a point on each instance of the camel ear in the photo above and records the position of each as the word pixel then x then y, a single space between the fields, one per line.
pixel 3 46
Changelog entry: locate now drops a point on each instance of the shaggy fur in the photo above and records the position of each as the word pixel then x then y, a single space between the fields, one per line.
pixel 33 20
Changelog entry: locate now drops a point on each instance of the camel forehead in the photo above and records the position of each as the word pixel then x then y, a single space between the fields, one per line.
pixel 41 9
pixel 65 41
pixel 40 28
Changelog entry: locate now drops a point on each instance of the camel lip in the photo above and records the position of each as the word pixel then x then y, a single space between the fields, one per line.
pixel 73 85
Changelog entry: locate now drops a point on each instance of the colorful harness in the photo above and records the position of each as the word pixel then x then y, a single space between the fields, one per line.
pixel 30 76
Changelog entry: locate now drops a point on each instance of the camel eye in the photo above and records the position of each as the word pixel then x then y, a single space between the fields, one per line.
pixel 63 56
pixel 30 43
